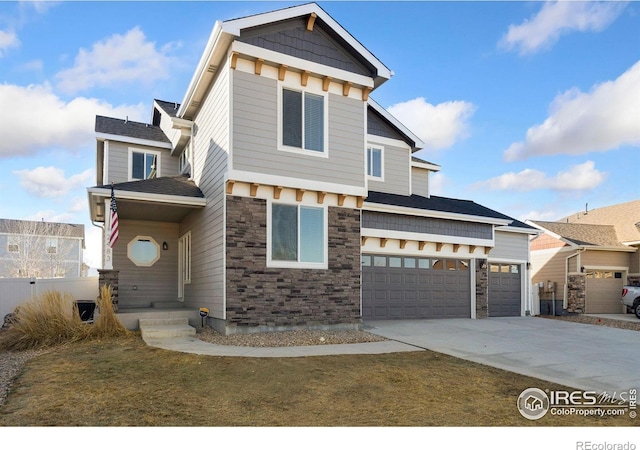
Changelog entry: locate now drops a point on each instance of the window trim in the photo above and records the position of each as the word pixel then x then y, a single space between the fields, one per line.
pixel 133 150
pixel 298 264
pixel 143 238
pixel 185 257
pixel 325 112
pixel 374 147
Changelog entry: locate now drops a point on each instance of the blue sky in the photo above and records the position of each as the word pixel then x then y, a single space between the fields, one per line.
pixel 531 108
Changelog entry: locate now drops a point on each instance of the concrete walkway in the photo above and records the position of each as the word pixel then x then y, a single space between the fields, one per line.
pixel 572 354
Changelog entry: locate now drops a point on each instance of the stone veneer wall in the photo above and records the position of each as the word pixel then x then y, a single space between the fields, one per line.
pixel 576 287
pixel 482 288
pixel 109 277
pixel 260 298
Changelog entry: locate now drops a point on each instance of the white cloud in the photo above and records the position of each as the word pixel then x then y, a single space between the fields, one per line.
pixel 79 204
pixel 578 178
pixel 603 119
pixel 40 119
pixel 437 183
pixel 50 215
pixel 557 18
pixel 8 39
pixel 50 181
pixel 118 59
pixel 438 126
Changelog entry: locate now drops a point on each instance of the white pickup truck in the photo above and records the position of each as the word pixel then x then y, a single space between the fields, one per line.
pixel 631 298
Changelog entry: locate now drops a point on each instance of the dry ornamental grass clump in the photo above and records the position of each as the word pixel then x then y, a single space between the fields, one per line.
pixel 52 319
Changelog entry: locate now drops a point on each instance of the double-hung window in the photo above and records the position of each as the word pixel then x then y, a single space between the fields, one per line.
pixel 374 162
pixel 298 236
pixel 144 165
pixel 303 120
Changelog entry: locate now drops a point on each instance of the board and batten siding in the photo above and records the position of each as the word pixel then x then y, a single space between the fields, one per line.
pixel 396 169
pixel 255 136
pixel 118 161
pixel 210 163
pixel 139 286
pixel 510 246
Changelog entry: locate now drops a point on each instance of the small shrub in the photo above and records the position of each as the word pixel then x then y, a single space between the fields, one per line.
pixel 107 323
pixel 47 320
pixel 53 319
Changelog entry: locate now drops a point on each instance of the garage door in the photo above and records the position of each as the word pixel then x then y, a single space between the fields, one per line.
pixel 401 287
pixel 603 292
pixel 505 290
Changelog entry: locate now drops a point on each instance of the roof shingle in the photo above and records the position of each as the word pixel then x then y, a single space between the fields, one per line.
pixel 120 127
pixel 584 234
pixel 178 185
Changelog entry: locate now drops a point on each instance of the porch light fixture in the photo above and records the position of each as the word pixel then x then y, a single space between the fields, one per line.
pixel 165 246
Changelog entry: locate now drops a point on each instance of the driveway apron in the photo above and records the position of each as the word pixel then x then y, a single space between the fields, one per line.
pixel 575 355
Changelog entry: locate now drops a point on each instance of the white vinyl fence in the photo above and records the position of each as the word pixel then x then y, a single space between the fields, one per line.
pixel 16 291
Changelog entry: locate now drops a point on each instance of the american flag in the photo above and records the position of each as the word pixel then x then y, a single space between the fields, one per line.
pixel 113 237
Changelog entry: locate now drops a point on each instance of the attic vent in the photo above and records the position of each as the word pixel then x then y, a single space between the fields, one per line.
pixel 212 69
pixel 195 104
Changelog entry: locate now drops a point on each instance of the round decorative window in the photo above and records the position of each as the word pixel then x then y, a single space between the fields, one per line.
pixel 143 251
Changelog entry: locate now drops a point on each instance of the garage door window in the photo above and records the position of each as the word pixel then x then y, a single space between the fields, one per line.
pixel 380 261
pixel 410 263
pixel 395 262
pixel 424 263
pixel 365 260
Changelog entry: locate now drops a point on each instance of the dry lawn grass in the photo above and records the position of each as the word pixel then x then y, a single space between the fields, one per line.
pixel 122 382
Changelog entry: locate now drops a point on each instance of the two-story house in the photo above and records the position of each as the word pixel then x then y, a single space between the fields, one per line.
pixel 38 249
pixel 278 194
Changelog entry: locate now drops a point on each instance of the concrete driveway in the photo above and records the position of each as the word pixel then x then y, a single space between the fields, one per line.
pixel 580 356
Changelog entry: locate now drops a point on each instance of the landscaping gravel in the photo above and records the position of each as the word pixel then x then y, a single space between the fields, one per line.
pixel 10 366
pixel 288 338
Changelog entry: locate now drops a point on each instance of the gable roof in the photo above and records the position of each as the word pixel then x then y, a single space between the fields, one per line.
pixel 452 206
pixel 171 108
pixel 583 234
pixel 110 126
pixel 225 33
pixel 624 217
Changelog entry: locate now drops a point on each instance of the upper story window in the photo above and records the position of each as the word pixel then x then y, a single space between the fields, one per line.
pixel 298 236
pixel 13 244
pixel 304 123
pixel 143 164
pixel 52 245
pixel 374 162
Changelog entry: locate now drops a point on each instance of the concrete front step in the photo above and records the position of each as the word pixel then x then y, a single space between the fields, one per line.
pixel 166 328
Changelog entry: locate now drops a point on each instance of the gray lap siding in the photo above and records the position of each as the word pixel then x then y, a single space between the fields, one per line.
pixel 259 297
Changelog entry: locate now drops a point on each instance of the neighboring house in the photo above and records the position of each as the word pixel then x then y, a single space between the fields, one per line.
pixel 587 257
pixel 278 194
pixel 41 249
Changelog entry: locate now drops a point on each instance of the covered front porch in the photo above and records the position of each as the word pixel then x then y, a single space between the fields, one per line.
pixel 146 267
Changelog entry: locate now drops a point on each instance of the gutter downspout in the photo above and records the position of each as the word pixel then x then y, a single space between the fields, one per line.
pixel 565 300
